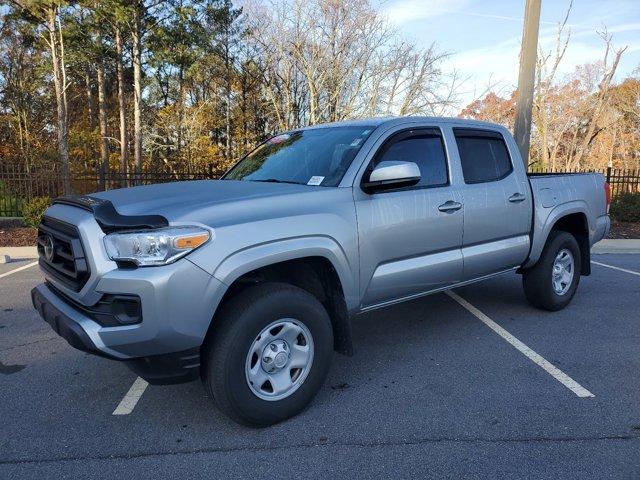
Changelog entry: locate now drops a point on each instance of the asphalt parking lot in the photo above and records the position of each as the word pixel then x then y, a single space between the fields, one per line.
pixel 432 391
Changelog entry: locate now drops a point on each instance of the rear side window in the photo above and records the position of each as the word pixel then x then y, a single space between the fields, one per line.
pixel 483 154
pixel 425 149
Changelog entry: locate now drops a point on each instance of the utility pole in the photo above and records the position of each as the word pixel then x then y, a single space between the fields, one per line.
pixel 526 77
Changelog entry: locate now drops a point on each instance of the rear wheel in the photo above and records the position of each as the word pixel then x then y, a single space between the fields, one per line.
pixel 269 354
pixel 552 282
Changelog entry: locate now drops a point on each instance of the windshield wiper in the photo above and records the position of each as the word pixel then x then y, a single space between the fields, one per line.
pixel 274 180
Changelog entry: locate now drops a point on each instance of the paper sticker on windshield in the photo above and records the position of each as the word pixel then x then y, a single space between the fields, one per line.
pixel 315 180
pixel 279 139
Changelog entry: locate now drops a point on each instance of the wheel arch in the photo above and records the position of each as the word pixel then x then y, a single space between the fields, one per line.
pixel 577 225
pixel 317 265
pixel 571 218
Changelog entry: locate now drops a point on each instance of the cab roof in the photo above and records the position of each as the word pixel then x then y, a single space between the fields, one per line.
pixel 391 121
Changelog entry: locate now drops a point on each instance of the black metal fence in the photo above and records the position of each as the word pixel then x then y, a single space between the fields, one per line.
pixel 621 180
pixel 19 185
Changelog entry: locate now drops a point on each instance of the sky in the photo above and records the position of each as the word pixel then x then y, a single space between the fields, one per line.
pixel 484 36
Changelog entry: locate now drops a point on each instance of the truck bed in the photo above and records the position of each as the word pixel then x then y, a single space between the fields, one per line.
pixel 552 189
pixel 579 192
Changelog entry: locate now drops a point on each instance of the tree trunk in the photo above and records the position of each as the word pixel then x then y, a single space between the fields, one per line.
pixel 91 103
pixel 59 85
pixel 180 111
pixel 613 146
pixel 27 140
pixel 137 87
pixel 124 134
pixel 227 109
pixel 245 134
pixel 21 142
pixel 102 120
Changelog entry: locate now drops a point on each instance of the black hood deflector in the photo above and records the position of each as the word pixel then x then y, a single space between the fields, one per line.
pixel 108 217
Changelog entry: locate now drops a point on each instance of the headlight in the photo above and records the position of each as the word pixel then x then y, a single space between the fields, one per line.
pixel 155 247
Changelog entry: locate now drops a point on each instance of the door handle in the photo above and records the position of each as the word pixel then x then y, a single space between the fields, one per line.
pixel 450 206
pixel 517 197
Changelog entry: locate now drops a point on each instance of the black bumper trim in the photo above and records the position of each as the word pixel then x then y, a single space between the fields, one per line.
pixel 168 368
pixel 112 310
pixel 64 325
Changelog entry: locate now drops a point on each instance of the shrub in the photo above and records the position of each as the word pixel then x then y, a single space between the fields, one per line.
pixel 9 204
pixel 626 207
pixel 34 209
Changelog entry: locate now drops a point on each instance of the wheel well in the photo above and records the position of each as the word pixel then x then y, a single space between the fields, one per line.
pixel 317 276
pixel 576 224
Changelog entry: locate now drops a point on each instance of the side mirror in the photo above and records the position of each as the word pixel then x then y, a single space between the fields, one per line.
pixel 389 175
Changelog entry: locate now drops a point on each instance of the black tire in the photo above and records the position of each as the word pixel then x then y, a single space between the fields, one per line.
pixel 237 325
pixel 537 281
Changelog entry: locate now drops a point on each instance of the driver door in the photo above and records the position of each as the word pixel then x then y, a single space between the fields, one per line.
pixel 410 238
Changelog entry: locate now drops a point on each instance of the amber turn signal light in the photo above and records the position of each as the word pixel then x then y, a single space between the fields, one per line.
pixel 191 241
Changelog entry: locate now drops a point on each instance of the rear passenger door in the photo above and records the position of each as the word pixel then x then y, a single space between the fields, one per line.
pixel 497 204
pixel 410 238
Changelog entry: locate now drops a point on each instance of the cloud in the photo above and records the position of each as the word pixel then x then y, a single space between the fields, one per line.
pixel 404 11
pixel 500 17
pixel 625 27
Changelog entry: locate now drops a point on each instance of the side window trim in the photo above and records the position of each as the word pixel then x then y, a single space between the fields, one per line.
pixel 466 132
pixel 404 134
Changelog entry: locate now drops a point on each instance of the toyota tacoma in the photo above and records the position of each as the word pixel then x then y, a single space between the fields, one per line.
pixel 251 282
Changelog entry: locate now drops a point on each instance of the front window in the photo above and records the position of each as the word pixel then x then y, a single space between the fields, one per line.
pixel 318 156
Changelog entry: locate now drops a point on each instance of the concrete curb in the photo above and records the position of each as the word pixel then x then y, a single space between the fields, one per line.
pixel 19 253
pixel 610 245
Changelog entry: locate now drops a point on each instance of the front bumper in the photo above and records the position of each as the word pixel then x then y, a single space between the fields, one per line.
pixel 177 302
pixel 69 323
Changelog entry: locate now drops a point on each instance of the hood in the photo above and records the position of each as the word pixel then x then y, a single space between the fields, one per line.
pixel 176 200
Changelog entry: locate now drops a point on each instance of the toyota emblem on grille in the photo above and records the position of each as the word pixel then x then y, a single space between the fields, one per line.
pixel 48 248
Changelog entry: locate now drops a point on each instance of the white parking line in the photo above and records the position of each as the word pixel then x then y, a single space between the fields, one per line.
pixel 15 270
pixel 551 369
pixel 130 400
pixel 616 268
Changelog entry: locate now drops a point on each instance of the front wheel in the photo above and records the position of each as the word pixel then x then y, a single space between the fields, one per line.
pixel 269 354
pixel 552 282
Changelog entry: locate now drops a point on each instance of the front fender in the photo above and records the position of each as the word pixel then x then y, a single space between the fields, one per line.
pixel 262 255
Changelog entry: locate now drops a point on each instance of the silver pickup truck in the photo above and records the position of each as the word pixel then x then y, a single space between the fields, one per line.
pixel 250 282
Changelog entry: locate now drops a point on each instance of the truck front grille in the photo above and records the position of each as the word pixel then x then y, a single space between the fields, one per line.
pixel 61 253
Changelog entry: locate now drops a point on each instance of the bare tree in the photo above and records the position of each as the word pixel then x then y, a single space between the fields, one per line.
pixel 56 45
pixel 600 99
pixel 328 60
pixel 48 12
pixel 568 114
pixel 545 118
pixel 136 35
pixel 102 116
pixel 124 134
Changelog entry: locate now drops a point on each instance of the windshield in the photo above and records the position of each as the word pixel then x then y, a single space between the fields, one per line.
pixel 319 156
